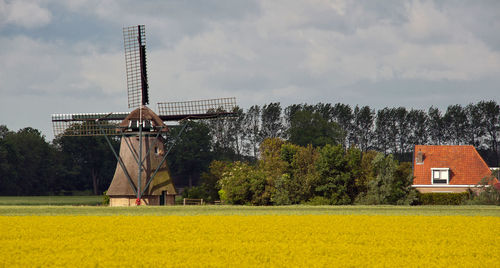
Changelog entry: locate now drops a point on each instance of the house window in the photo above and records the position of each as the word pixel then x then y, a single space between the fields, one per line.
pixel 440 175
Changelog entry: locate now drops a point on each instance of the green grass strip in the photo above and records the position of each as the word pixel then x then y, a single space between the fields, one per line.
pixel 249 210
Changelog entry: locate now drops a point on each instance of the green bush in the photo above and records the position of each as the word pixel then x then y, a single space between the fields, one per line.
pixel 443 198
pixel 489 192
pixel 105 198
pixel 195 192
pixel 319 201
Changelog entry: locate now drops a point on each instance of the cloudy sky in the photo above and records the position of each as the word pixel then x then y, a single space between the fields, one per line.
pixel 67 56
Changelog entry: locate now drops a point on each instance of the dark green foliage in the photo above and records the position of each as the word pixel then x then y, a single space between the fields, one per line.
pixel 89 162
pixel 236 184
pixel 291 174
pixel 489 112
pixel 191 153
pixel 209 188
pixel 319 201
pixel 272 126
pixel 196 192
pixel 28 164
pixel 31 166
pixel 435 126
pixel 342 114
pixel 366 173
pixel 300 178
pixel 489 191
pixel 336 180
pixel 362 135
pixel 443 198
pixel 251 128
pixel 391 185
pixel 310 127
pixel 455 120
pixel 105 199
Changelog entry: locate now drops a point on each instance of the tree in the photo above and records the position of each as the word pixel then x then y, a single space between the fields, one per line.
pixel 27 163
pixel 391 185
pixel 366 172
pixel 385 130
pixel 271 167
pixel 343 116
pixel 222 133
pixel 335 183
pixel 89 161
pixel 252 128
pixel 4 131
pixel 272 126
pixel 297 183
pixel 456 124
pixel 209 188
pixel 362 133
pixel 476 123
pixel 191 154
pixel 308 127
pixel 236 130
pixel 8 164
pixel 235 184
pixel 435 126
pixel 353 157
pixel 490 118
pixel 418 134
pixel 402 130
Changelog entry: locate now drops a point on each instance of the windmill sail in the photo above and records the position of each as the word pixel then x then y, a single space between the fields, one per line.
pixel 141 172
pixel 199 109
pixel 86 124
pixel 135 58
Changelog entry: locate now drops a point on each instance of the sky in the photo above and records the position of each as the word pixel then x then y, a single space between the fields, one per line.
pixel 68 56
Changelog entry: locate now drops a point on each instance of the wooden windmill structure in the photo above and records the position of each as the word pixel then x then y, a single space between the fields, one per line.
pixel 142 175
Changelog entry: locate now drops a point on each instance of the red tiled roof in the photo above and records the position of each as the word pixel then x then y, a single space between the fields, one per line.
pixel 466 167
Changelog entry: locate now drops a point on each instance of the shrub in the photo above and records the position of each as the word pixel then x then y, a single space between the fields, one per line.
pixel 334 181
pixel 319 201
pixel 489 192
pixel 105 198
pixel 391 184
pixel 443 198
pixel 196 192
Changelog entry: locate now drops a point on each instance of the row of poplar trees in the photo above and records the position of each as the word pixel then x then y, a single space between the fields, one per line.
pixel 30 165
pixel 387 130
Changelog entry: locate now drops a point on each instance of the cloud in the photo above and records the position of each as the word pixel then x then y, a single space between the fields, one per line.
pixel 24 13
pixel 34 67
pixel 375 53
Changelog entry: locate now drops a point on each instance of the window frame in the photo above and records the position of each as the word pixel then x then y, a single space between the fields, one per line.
pixel 433 170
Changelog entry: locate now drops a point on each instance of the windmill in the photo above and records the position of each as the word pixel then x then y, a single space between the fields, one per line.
pixel 141 175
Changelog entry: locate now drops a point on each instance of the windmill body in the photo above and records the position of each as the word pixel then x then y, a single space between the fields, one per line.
pixel 127 181
pixel 142 175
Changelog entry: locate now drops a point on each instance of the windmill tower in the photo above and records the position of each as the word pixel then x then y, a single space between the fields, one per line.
pixel 141 175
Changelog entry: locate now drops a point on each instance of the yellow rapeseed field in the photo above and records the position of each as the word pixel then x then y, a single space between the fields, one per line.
pixel 235 241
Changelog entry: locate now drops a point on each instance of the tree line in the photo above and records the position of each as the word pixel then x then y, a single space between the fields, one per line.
pixel 30 165
pixel 288 174
pixel 389 130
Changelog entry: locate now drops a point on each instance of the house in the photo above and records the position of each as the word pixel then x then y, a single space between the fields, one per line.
pixel 447 168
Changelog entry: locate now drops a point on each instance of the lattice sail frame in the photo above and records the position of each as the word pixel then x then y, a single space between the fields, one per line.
pixel 134 38
pixel 198 109
pixel 86 124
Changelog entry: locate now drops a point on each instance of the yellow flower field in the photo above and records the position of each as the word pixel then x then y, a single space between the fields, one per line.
pixel 234 241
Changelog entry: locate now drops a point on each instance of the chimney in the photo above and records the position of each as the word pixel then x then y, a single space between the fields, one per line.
pixel 420 158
